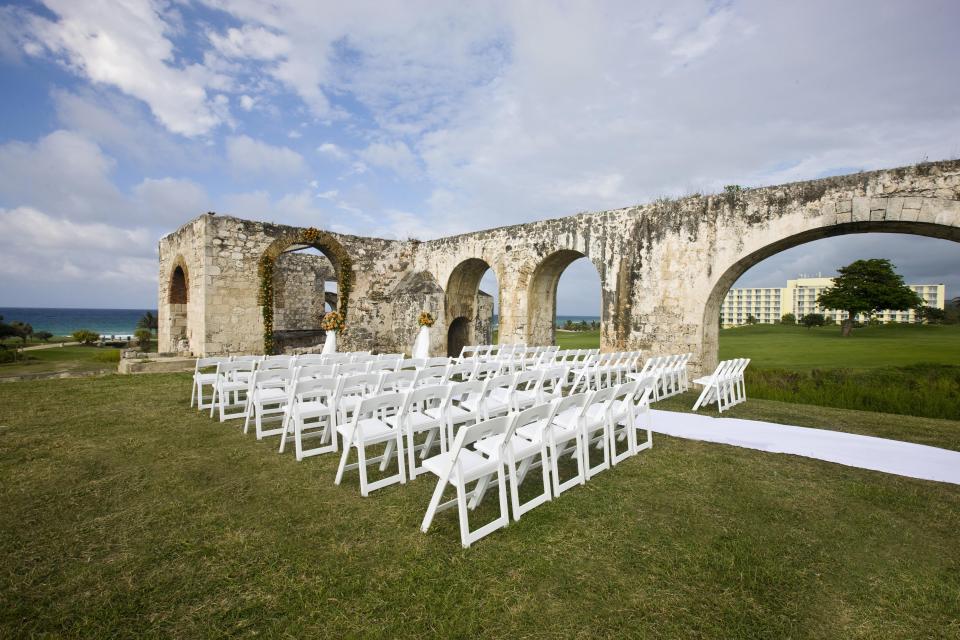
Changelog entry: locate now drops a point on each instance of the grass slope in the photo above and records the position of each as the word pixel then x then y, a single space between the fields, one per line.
pixel 128 514
pixel 56 359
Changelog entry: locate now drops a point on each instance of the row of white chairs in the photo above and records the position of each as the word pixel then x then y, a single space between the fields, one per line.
pixel 725 386
pixel 669 373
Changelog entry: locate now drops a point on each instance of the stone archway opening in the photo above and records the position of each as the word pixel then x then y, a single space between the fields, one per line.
pixel 308 272
pixel 458 336
pixel 178 298
pixel 542 294
pixel 712 308
pixel 465 301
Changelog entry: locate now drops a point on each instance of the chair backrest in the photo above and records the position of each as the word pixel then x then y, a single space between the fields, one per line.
pixel 460 390
pixel 275 362
pixel 270 378
pixel 431 376
pixel 529 380
pixel 246 358
pixel 437 362
pixel 337 358
pixel 316 371
pixel 315 388
pixel 208 363
pixel 360 384
pixel 353 368
pixel 384 364
pixel 412 364
pixel 484 370
pixel 397 380
pixel 462 369
pixel 228 370
pixel 382 403
pixel 362 356
pixel 310 359
pixel 573 402
pixel 426 397
pixel 484 429
pixel 541 415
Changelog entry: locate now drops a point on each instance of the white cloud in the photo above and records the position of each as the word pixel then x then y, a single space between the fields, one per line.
pixel 247 102
pixel 395 156
pixel 332 150
pixel 255 156
pixel 168 201
pixel 124 45
pixel 63 172
pixel 251 42
pixel 25 225
pixel 295 208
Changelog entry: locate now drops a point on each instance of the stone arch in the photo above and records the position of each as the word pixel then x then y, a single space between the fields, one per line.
pixel 460 299
pixel 734 271
pixel 458 336
pixel 542 296
pixel 295 240
pixel 178 297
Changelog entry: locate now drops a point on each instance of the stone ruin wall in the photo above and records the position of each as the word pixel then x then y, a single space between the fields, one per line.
pixel 664 267
pixel 299 284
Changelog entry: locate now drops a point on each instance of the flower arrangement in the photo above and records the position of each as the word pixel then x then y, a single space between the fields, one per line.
pixel 425 319
pixel 333 321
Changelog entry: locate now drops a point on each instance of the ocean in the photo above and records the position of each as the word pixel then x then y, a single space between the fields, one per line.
pixel 561 320
pixel 63 322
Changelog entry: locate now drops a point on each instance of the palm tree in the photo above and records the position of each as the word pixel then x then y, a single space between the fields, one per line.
pixel 147 321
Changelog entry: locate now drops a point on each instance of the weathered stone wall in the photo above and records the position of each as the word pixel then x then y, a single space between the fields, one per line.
pixel 664 267
pixel 177 323
pixel 299 285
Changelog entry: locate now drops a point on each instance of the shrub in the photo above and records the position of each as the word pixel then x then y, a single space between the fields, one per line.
pixel 43 335
pixel 788 318
pixel 107 355
pixel 85 336
pixel 813 320
pixel 143 338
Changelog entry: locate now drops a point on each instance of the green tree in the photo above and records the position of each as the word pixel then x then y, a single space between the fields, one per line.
pixel 751 319
pixel 931 315
pixel 23 331
pixel 867 286
pixel 568 325
pixel 147 321
pixel 85 336
pixel 43 335
pixel 813 320
pixel 788 318
pixel 143 336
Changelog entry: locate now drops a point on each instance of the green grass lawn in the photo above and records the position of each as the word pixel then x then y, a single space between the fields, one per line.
pixel 128 514
pixel 799 349
pixel 74 359
pixel 578 339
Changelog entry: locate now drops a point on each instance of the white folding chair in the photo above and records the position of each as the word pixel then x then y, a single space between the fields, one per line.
pixel 401 380
pixel 367 428
pixel 622 422
pixel 713 385
pixel 519 453
pixel 204 374
pixel 560 436
pixel 527 389
pixel 231 389
pixel 428 376
pixel 495 399
pixel 595 430
pixel 459 467
pixel 267 401
pixel 455 411
pixel 415 420
pixel 311 413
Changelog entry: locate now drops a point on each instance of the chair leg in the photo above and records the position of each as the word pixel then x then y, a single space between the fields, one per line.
pixel 432 507
pixel 193 393
pixel 464 517
pixel 343 462
pixel 362 468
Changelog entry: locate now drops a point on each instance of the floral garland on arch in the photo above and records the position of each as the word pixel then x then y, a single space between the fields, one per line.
pixel 425 319
pixel 333 321
pixel 316 238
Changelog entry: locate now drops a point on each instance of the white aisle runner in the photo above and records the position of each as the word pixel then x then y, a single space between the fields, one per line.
pixel 866 452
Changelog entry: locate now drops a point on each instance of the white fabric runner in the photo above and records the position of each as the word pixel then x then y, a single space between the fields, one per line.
pixel 866 452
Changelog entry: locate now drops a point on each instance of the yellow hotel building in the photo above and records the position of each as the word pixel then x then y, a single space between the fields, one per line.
pixel 799 297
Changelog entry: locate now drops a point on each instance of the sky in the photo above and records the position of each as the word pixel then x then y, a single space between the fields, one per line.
pixel 123 119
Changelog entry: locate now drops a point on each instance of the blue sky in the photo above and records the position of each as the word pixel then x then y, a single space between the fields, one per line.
pixel 123 119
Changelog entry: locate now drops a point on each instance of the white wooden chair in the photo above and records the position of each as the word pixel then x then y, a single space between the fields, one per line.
pixel 454 412
pixel 267 401
pixel 231 389
pixel 527 389
pixel 519 453
pixel 461 466
pixel 724 386
pixel 642 417
pixel 561 436
pixel 428 376
pixel 205 375
pixel 367 428
pixel 414 421
pixel 594 429
pixel 401 380
pixel 495 399
pixel 353 389
pixel 311 413
pixel 622 422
